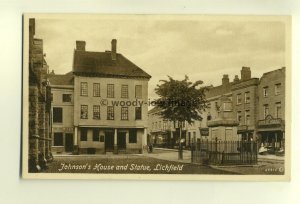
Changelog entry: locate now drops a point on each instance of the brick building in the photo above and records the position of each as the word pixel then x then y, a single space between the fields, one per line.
pixel 39 104
pixel 245 109
pixel 85 118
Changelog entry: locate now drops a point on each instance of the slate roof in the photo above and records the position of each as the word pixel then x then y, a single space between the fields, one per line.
pixel 66 79
pixel 101 64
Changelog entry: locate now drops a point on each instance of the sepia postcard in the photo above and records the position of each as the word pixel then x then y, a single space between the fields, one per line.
pixel 156 97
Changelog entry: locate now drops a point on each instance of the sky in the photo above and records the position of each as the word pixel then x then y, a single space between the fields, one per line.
pixel 197 47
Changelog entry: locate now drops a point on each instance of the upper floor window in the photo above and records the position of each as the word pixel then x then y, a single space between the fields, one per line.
pixel 278 110
pixel 84 112
pixel 84 89
pixel 57 115
pixel 96 112
pixel 265 91
pixel 238 98
pixel 277 89
pixel 266 110
pixel 67 97
pixel 124 91
pixel 247 117
pixel 110 113
pixel 124 113
pixel 247 97
pixel 110 91
pixel 138 113
pixel 96 90
pixel 239 116
pixel 227 106
pixel 138 91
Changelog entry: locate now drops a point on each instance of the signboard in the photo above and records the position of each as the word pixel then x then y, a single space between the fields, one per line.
pixel 204 131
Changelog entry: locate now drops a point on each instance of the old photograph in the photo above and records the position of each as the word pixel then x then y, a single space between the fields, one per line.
pixel 172 97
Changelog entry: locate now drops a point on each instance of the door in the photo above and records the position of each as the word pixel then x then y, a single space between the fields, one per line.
pixel 121 142
pixel 69 142
pixel 109 141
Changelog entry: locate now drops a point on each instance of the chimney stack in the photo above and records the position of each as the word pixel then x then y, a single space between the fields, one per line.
pixel 245 73
pixel 80 45
pixel 236 79
pixel 225 79
pixel 113 49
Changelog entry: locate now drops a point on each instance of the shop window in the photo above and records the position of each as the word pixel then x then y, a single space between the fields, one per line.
pixel 58 139
pixel 96 136
pixel 83 134
pixel 133 136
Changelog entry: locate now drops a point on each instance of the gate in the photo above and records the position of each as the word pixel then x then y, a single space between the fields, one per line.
pixel 224 152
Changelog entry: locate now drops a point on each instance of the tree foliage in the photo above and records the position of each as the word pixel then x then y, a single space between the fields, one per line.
pixel 180 100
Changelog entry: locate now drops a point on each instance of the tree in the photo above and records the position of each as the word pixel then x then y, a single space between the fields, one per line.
pixel 180 101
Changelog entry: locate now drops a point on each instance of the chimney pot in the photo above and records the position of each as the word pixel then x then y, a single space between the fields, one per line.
pixel 80 45
pixel 225 79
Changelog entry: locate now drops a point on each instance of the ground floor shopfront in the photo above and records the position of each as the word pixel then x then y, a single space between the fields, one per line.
pixel 97 140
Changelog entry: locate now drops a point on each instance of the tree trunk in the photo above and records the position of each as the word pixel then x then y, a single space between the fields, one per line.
pixel 180 153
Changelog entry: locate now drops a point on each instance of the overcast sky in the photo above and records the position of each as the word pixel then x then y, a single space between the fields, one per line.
pixel 202 49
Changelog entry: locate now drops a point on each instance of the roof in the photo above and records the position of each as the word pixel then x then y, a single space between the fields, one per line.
pixel 155 109
pixel 66 79
pixel 101 64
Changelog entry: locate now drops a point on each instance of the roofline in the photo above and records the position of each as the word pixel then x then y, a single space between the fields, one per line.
pixel 93 74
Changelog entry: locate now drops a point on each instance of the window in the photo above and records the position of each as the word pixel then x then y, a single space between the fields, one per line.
pixel 238 99
pixel 58 139
pixel 67 97
pixel 227 106
pixel 132 136
pixel 277 89
pixel 265 91
pixel 278 110
pixel 84 112
pixel 124 91
pixel 96 112
pixel 247 97
pixel 57 115
pixel 138 91
pixel 83 89
pixel 110 113
pixel 83 134
pixel 247 117
pixel 266 110
pixel 124 113
pixel 96 136
pixel 239 116
pixel 96 90
pixel 110 91
pixel 138 113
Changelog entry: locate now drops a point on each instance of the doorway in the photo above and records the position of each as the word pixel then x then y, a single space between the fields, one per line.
pixel 69 145
pixel 109 141
pixel 121 140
